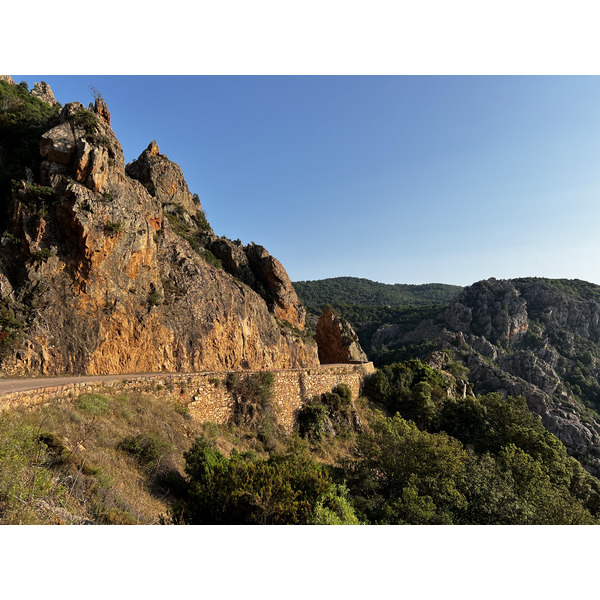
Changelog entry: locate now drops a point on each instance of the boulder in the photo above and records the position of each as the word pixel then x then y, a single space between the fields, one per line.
pixel 58 144
pixel 234 260
pixel 275 286
pixel 85 145
pixel 336 340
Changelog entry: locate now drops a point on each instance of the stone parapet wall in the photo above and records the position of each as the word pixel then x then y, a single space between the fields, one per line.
pixel 293 388
pixel 205 394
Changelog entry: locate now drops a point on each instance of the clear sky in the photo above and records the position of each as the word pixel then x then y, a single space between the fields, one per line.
pixel 399 179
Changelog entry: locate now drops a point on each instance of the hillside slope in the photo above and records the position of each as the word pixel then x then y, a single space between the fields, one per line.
pixel 534 337
pixel 364 292
pixel 108 268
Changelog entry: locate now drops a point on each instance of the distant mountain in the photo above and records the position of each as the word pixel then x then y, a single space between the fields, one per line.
pixel 364 292
pixel 535 337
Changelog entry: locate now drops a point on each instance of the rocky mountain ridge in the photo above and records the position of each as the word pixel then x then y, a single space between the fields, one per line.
pixel 113 268
pixel 531 337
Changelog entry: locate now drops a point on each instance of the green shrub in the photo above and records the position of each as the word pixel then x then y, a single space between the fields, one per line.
pixel 244 489
pixel 87 120
pixel 146 449
pixel 311 420
pixel 334 508
pixel 8 318
pixel 114 226
pixel 93 404
pixel 43 254
pixel 171 290
pixel 252 394
pixel 344 392
pixel 12 239
pixel 201 221
pixel 40 194
pixel 330 413
pixel 181 409
pixel 154 299
pixel 210 258
pixel 413 388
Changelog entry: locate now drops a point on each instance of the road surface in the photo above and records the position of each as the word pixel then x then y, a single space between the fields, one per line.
pixel 8 386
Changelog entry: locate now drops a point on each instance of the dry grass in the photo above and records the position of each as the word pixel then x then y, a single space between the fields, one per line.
pixel 92 478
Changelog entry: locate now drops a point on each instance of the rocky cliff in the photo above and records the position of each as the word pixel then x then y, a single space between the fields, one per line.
pixel 532 337
pixel 109 268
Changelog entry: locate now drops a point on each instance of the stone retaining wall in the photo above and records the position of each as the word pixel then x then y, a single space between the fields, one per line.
pixel 205 394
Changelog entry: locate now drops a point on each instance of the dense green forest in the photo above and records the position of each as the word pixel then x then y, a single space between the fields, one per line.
pixel 415 449
pixel 364 292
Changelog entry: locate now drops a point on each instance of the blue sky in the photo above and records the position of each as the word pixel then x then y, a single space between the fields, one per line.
pixel 399 179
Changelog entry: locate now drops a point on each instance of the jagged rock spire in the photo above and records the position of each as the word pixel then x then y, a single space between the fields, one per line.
pixel 337 341
pixel 43 91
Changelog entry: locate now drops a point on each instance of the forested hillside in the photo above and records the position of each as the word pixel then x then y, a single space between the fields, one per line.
pixel 535 337
pixel 369 305
pixel 364 292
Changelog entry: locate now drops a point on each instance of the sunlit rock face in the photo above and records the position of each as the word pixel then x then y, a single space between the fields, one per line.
pixel 107 269
pixel 337 341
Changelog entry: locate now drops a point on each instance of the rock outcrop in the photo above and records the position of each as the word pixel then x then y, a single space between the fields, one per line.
pixel 337 341
pixel 529 338
pixel 163 179
pixel 40 90
pixel 253 265
pixel 44 93
pixel 107 269
pixel 83 146
pixel 250 264
pixel 492 309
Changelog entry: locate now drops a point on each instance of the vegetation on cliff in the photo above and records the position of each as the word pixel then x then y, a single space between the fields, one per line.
pixel 23 118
